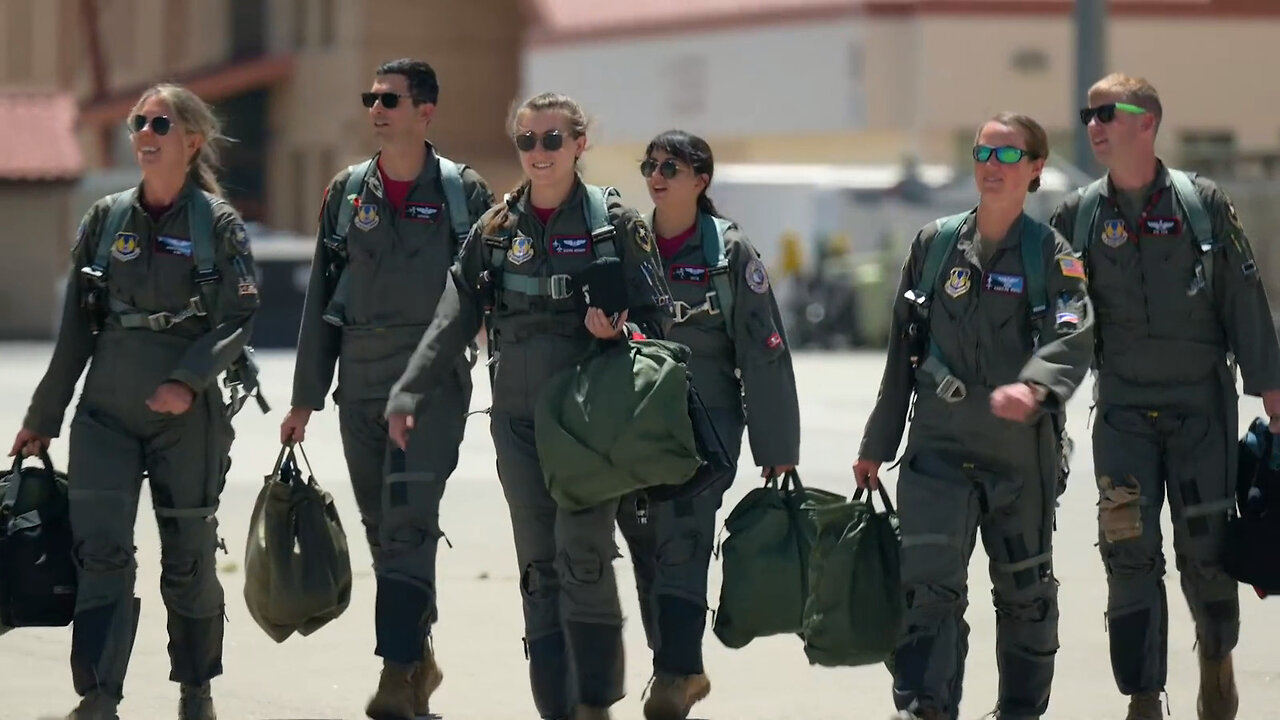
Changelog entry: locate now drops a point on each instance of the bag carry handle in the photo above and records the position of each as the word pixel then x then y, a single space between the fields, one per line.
pixel 10 497
pixel 884 498
pixel 286 457
pixel 790 482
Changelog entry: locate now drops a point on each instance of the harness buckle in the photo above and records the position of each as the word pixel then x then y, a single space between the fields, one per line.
pixel 559 286
pixel 952 389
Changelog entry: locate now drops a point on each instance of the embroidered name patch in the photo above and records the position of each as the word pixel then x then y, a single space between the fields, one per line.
pixel 1161 226
pixel 173 246
pixel 426 212
pixel 570 245
pixel 688 274
pixel 1008 284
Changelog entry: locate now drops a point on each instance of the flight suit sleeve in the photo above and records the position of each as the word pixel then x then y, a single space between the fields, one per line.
pixel 217 349
pixel 648 294
pixel 479 196
pixel 1245 309
pixel 75 341
pixel 888 420
pixel 319 343
pixel 1063 217
pixel 1065 353
pixel 459 316
pixel 763 358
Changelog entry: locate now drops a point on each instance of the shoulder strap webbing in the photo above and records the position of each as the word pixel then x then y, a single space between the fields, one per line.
pixel 455 198
pixel 1032 241
pixel 712 229
pixel 602 231
pixel 1086 214
pixel 355 181
pixel 1185 190
pixel 121 204
pixel 944 240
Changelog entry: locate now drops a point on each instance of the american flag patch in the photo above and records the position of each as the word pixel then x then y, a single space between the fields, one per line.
pixel 1071 267
pixel 1068 318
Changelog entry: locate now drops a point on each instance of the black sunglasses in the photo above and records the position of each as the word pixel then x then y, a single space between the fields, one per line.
pixel 389 99
pixel 668 168
pixel 160 124
pixel 552 141
pixel 1107 113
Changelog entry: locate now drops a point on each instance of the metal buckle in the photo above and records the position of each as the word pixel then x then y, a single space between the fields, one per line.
pixel 951 389
pixel 1249 268
pixel 681 310
pixel 160 321
pixel 559 287
pixel 712 303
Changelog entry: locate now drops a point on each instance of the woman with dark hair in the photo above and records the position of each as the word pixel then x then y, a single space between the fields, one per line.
pixel 726 314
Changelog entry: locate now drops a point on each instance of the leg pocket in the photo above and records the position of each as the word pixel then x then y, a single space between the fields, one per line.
pixel 1119 508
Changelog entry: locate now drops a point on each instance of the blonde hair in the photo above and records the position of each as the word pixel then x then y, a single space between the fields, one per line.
pixel 196 117
pixel 1133 90
pixel 544 102
pixel 1033 134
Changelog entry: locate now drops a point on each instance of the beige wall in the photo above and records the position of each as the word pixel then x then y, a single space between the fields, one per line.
pixel 40 232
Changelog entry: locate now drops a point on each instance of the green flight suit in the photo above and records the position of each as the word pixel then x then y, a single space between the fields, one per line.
pixel 1166 410
pixel 116 438
pixel 571 608
pixel 398 267
pixel 965 470
pixel 672 549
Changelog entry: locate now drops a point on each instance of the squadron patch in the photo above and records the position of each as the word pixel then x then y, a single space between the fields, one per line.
pixel 248 287
pixel 240 238
pixel 173 246
pixel 773 342
pixel 1114 233
pixel 958 281
pixel 366 216
pixel 695 274
pixel 570 245
pixel 757 278
pixel 521 250
pixel 425 212
pixel 644 238
pixel 125 247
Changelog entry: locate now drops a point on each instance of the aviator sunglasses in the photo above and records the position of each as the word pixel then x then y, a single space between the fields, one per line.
pixel 160 124
pixel 552 141
pixel 1005 154
pixel 389 99
pixel 667 169
pixel 1107 113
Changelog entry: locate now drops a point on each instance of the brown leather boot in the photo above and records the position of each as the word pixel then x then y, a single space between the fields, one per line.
pixel 394 698
pixel 95 706
pixel 427 677
pixel 1145 706
pixel 672 696
pixel 1218 699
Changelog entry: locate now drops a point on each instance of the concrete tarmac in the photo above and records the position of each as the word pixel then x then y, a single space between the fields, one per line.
pixel 331 674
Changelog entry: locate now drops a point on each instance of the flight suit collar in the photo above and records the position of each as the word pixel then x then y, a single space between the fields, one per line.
pixel 430 171
pixel 189 189
pixel 1161 180
pixel 576 197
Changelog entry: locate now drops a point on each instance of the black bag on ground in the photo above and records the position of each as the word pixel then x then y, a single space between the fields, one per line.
pixel 37 570
pixel 1251 553
pixel 297 571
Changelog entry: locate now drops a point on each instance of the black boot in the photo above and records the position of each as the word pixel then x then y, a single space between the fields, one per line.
pixel 599 662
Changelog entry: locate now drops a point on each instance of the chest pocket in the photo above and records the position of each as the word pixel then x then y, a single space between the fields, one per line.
pixel 172 265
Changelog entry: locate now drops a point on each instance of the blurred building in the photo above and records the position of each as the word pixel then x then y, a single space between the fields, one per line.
pixel 283 74
pixel 873 81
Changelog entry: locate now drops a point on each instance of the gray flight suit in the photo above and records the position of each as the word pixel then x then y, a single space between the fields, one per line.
pixel 965 470
pixel 1166 411
pixel 671 551
pixel 571 608
pixel 397 269
pixel 116 438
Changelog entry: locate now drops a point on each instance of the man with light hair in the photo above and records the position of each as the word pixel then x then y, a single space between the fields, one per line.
pixel 1179 307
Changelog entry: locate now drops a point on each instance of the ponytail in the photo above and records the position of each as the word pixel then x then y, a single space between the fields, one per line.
pixel 503 219
pixel 202 173
pixel 706 206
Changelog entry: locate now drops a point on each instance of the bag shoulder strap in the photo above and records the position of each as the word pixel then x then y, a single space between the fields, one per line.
pixel 1086 215
pixel 939 250
pixel 346 210
pixel 455 198
pixel 712 230
pixel 602 230
pixel 121 204
pixel 1032 241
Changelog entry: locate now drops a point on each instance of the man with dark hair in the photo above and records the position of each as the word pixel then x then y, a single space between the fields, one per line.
pixel 390 228
pixel 1180 306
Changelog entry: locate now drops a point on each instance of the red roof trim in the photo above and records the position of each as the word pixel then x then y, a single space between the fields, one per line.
pixel 39 141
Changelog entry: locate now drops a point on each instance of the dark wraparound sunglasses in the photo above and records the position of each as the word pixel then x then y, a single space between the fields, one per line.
pixel 1005 154
pixel 668 168
pixel 160 124
pixel 552 141
pixel 1107 113
pixel 389 99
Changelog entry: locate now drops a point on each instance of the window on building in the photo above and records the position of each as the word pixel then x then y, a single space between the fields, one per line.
pixel 1207 151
